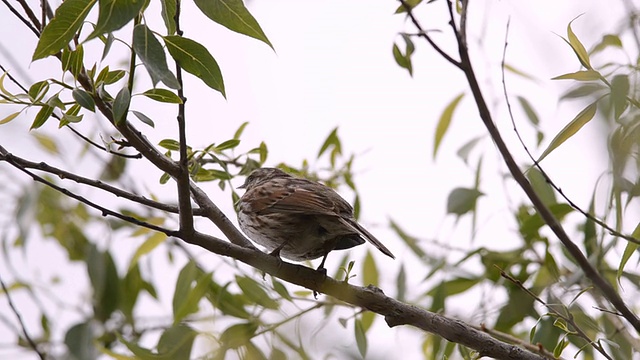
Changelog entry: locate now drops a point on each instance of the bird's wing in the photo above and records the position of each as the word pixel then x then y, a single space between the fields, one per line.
pixel 294 200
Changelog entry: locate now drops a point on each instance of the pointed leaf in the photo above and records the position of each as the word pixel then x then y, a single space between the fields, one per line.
pixel 10 117
pixel 577 47
pixel 572 127
pixel 83 99
pixel 233 15
pixel 629 250
pixel 144 118
pixel 462 200
pixel 150 51
pixel 115 14
pixel 196 59
pixel 528 109
pixel 63 27
pixel 43 115
pixel 369 271
pixel 444 122
pixel 121 105
pixel 163 95
pixel 169 15
pixel 583 75
pixel 361 338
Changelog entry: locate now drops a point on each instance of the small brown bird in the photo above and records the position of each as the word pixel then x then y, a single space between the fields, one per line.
pixel 298 218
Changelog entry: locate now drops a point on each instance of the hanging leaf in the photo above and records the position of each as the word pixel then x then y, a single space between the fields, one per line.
pixel 115 14
pixel 444 122
pixel 150 51
pixel 233 15
pixel 196 59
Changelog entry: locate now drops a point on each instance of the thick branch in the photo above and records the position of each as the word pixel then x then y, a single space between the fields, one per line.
pixel 371 298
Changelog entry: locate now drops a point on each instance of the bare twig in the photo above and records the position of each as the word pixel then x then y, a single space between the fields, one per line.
pixel 6 156
pixel 535 348
pixel 32 343
pixel 535 162
pixel 22 19
pixel 96 183
pixel 423 33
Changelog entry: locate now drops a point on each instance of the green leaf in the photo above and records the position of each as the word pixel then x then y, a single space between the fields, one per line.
pixel 121 105
pixel 84 99
pixel 176 342
pixel 62 28
pixel 572 127
pixel 361 338
pixel 170 144
pixel 607 40
pixel 105 281
pixel 541 186
pixel 238 335
pixel 169 15
pixel 411 241
pixel 263 152
pixel 583 75
pixel 256 293
pixel 455 286
pixel 465 150
pixel 146 247
pixel 196 59
pixel 9 117
pixel 404 60
pixel 629 250
pixel 462 200
pixel 113 76
pixel 577 47
pixel 163 95
pixel 115 14
pixel 43 115
pixel 144 118
pixel 233 15
pixel 229 144
pixel 191 286
pixel 332 139
pixel 369 271
pixel 79 340
pixel 518 72
pixel 238 132
pixel 444 122
pixel 38 90
pixel 73 60
pixel 619 93
pixel 529 111
pixel 150 51
pixel 410 3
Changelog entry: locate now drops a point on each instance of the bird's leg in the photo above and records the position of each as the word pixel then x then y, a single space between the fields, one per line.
pixel 276 251
pixel 321 268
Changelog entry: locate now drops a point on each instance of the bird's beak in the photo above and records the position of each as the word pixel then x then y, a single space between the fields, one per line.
pixel 243 186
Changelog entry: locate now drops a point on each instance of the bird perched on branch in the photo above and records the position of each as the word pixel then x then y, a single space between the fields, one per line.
pixel 298 219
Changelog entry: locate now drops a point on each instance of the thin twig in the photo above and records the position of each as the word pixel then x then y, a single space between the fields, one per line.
pixel 23 327
pixel 568 318
pixel 423 33
pixel 536 348
pixel 22 19
pixel 537 165
pixel 63 174
pixel 102 209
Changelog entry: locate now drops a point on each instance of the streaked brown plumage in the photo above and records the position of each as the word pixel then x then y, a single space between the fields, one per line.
pixel 297 218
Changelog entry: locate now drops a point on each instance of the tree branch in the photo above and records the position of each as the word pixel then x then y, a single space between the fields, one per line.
pixel 371 298
pixel 27 337
pixel 6 156
pixel 603 285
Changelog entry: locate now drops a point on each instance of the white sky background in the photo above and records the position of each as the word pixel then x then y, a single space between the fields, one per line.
pixel 333 66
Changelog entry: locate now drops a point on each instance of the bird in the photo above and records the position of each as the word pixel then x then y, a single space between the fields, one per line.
pixel 298 219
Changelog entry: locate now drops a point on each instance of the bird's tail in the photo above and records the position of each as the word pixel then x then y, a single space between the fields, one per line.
pixel 369 237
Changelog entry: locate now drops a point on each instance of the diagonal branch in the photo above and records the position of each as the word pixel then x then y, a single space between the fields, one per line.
pixel 600 282
pixel 370 298
pixel 23 327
